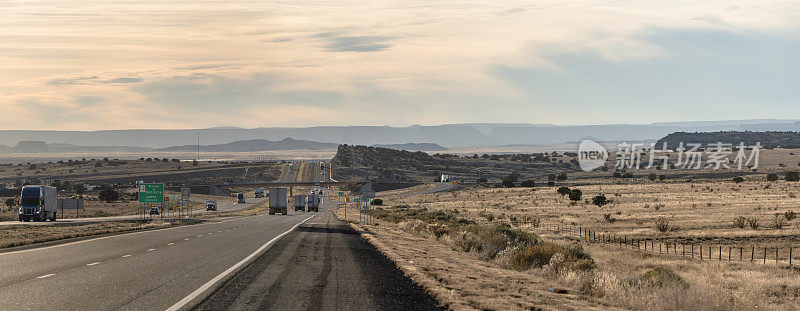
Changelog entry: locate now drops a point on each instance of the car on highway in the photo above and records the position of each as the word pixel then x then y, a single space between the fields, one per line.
pixel 211 205
pixel 154 211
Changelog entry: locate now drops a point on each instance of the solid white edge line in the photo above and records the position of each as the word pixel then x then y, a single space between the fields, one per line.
pixel 217 279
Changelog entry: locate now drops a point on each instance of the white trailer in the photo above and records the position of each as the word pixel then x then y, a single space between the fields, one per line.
pixel 38 203
pixel 300 202
pixel 277 201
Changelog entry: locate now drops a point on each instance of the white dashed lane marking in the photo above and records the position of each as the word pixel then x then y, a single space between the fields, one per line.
pixel 45 276
pixel 126 256
pixel 92 264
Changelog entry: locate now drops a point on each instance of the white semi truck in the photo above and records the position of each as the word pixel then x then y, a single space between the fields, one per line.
pixel 300 202
pixel 277 201
pixel 38 203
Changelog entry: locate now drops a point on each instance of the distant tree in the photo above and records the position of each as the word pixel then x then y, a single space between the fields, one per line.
pixel 108 195
pixel 551 183
pixel 563 190
pixel 510 180
pixel 98 164
pixel 475 156
pixel 10 203
pixel 575 195
pixel 562 176
pixel 738 179
pixel 792 176
pixel 164 160
pixel 176 160
pixel 600 200
pixel 551 177
pixel 32 167
pixel 376 202
pixel 482 180
pixel 105 159
pixel 652 176
pixel 494 157
pixel 148 160
pixel 772 177
pixel 662 177
pixel 528 183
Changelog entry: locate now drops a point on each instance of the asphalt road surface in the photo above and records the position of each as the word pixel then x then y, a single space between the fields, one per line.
pixel 303 260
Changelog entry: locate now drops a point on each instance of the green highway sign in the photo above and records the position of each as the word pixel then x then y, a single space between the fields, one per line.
pixel 151 193
pixel 316 184
pixel 341 193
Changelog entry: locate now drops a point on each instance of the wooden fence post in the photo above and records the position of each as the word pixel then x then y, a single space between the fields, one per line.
pixel 692 250
pixel 776 255
pixel 765 255
pixel 729 254
pixel 790 256
pixel 720 254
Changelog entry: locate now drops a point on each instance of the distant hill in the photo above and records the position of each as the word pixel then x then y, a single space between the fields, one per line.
pixel 414 147
pixel 767 139
pixel 448 135
pixel 256 145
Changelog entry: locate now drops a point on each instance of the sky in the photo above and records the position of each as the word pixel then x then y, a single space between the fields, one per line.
pixel 94 65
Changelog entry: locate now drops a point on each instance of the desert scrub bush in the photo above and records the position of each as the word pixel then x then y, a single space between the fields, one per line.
pixel 600 200
pixel 609 218
pixel 662 224
pixel 738 179
pixel 488 241
pixel 752 222
pixel 568 257
pixel 661 276
pixel 563 191
pixel 772 177
pixel 789 215
pixel 779 221
pixel 575 195
pixel 740 222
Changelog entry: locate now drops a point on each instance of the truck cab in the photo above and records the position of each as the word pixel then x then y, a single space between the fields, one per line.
pixel 258 193
pixel 38 203
pixel 211 205
pixel 240 198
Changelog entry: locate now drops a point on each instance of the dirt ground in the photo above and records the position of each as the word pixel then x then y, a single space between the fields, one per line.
pixel 698 211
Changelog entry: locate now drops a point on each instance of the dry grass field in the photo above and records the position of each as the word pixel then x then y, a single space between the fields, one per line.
pixel 464 246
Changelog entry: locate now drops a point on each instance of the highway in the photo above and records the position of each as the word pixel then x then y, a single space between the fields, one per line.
pixel 222 205
pixel 302 260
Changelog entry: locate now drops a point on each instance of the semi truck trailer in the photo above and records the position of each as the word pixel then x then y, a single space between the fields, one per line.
pixel 277 201
pixel 38 203
pixel 313 202
pixel 300 202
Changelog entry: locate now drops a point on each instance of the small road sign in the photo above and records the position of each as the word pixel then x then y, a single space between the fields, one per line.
pixel 151 193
